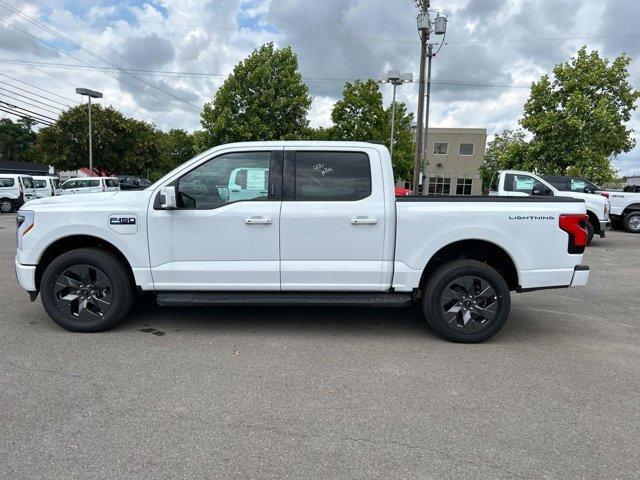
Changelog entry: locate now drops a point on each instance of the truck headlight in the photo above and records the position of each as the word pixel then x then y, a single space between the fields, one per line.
pixel 24 222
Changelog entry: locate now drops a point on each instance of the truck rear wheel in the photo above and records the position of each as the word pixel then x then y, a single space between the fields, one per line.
pixel 87 290
pixel 590 231
pixel 631 222
pixel 466 301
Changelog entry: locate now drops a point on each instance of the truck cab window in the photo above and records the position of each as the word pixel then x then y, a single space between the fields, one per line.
pixel 332 176
pixel 225 179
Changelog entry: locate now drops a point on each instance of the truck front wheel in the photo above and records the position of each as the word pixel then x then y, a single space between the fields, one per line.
pixel 466 301
pixel 631 222
pixel 590 231
pixel 87 290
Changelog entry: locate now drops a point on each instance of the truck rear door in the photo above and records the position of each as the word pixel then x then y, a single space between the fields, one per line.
pixel 332 225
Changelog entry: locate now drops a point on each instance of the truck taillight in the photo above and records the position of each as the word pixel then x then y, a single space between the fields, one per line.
pixel 574 225
pixel 605 194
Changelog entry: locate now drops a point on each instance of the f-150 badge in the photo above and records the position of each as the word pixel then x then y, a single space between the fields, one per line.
pixel 122 220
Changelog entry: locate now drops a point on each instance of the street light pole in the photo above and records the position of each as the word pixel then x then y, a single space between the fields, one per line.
pixel 89 94
pixel 395 78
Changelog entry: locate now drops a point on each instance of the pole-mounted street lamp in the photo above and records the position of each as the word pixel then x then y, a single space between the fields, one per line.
pixel 395 78
pixel 89 94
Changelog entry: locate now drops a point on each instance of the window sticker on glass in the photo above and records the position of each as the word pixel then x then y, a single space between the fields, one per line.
pixel 578 185
pixel 524 183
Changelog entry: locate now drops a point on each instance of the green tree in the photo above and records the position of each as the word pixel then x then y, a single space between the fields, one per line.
pixel 176 147
pixel 578 119
pixel 120 144
pixel 16 139
pixel 263 99
pixel 360 116
pixel 508 150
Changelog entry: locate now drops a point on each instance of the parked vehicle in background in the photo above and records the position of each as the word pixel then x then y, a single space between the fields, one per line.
pixel 132 182
pixel 625 204
pixel 403 192
pixel 46 186
pixel 89 185
pixel 515 183
pixel 312 223
pixel 15 190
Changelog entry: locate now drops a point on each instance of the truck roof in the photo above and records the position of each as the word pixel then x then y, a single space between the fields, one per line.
pixel 303 143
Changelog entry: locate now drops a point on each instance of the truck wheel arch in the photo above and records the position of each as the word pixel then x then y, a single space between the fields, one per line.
pixel 72 242
pixel 473 249
pixel 634 207
pixel 593 220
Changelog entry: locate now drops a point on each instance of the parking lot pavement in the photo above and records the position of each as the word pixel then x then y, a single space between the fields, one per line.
pixel 327 393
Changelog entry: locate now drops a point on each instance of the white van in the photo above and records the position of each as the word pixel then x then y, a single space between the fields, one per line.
pixel 15 190
pixel 46 186
pixel 89 185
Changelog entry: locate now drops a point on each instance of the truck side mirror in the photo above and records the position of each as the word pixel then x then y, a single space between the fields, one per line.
pixel 540 189
pixel 168 198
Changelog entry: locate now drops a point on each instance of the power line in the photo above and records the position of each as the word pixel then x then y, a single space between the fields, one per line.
pixel 32 94
pixel 71 42
pixel 39 88
pixel 26 101
pixel 26 117
pixel 219 75
pixel 124 107
pixel 11 105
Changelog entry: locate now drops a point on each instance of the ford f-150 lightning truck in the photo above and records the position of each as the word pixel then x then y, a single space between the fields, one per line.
pixel 305 223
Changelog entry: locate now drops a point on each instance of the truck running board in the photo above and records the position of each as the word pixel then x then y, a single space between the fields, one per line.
pixel 328 299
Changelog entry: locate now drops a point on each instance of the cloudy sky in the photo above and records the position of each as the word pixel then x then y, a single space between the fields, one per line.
pixel 161 60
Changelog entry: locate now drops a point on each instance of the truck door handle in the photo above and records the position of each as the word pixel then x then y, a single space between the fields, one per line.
pixel 258 220
pixel 364 221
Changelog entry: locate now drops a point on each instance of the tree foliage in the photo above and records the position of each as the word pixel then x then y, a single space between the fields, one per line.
pixel 506 151
pixel 176 147
pixel 263 99
pixel 360 116
pixel 16 139
pixel 120 144
pixel 578 119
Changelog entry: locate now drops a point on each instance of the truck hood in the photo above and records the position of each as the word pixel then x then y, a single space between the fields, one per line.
pixel 87 199
pixel 592 197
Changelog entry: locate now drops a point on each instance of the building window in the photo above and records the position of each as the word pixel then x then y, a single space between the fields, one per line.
pixel 439 186
pixel 440 148
pixel 466 149
pixel 463 186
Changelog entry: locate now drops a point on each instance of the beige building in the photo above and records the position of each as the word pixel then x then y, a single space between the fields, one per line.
pixel 454 156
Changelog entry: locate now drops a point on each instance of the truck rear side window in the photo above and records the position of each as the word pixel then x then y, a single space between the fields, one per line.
pixel 7 182
pixel 332 176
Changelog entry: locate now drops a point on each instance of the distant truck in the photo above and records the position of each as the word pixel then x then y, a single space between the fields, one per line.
pixel 625 204
pixel 516 183
pixel 296 223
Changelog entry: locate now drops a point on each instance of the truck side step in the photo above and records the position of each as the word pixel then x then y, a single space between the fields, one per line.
pixel 328 299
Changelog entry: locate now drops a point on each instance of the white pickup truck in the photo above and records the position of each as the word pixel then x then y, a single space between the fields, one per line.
pixel 317 224
pixel 516 183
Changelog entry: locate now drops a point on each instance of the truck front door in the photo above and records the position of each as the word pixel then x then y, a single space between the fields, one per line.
pixel 333 220
pixel 216 239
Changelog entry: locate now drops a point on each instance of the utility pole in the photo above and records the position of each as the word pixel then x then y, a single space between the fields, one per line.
pixel 424 29
pixel 89 94
pixel 395 78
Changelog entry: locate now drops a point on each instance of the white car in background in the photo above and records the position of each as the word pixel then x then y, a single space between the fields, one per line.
pixel 15 190
pixel 515 183
pixel 46 186
pixel 89 185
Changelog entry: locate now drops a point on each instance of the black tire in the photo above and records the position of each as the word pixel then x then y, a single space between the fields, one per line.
pixel 87 290
pixel 6 205
pixel 590 231
pixel 631 222
pixel 443 302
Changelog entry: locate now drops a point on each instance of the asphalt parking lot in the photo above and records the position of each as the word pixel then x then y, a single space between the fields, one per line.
pixel 280 393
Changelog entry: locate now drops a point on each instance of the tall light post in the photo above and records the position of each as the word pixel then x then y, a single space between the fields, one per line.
pixel 89 94
pixel 395 78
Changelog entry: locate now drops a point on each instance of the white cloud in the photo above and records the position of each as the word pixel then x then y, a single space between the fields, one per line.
pixel 502 42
